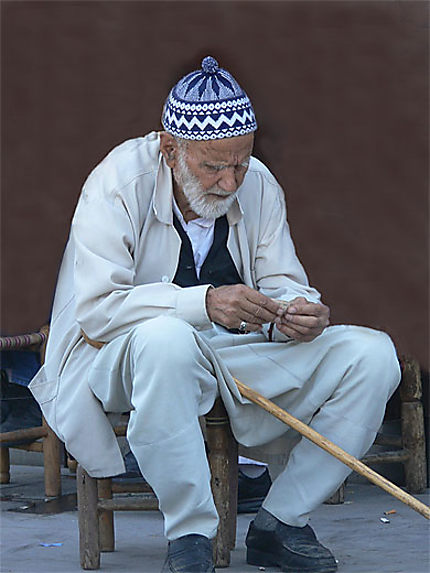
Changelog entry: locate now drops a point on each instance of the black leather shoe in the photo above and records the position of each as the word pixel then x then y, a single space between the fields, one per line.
pixel 189 554
pixel 252 491
pixel 292 549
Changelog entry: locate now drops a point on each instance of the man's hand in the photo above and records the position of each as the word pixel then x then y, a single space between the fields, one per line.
pixel 304 320
pixel 232 305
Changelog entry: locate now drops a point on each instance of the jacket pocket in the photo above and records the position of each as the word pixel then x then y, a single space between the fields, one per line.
pixel 43 390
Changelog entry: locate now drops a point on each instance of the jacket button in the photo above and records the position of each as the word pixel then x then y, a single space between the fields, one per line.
pixel 164 279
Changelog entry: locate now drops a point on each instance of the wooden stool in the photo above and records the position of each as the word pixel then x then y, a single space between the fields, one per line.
pixel 97 503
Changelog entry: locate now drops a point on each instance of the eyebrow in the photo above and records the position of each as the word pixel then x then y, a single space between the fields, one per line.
pixel 220 166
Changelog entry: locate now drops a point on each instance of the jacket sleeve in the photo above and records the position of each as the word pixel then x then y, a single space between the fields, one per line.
pixel 108 302
pixel 278 271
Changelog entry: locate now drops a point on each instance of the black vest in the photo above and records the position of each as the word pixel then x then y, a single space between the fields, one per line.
pixel 218 268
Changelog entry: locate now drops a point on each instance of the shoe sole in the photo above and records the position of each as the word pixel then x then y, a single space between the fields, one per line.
pixel 261 559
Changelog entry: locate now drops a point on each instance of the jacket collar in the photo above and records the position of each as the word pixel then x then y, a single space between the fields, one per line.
pixel 162 203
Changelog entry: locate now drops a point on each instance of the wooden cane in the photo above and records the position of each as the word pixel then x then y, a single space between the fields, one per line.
pixel 332 449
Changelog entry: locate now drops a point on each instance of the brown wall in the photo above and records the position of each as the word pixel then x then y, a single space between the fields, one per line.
pixel 340 91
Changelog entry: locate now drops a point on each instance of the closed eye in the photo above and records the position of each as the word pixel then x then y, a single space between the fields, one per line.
pixel 214 168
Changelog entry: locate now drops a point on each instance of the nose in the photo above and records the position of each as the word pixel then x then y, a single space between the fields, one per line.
pixel 228 181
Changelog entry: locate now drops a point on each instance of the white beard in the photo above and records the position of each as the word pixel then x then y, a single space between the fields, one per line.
pixel 201 202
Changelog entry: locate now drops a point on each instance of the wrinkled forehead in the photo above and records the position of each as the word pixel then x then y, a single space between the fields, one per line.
pixel 229 150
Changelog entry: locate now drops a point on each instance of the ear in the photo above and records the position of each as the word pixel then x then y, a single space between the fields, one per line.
pixel 168 148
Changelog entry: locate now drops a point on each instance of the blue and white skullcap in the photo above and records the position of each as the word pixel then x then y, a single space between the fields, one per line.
pixel 208 104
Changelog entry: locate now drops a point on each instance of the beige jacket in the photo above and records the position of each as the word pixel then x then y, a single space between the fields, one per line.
pixel 117 269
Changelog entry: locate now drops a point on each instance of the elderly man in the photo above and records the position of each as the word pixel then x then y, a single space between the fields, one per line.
pixel 180 273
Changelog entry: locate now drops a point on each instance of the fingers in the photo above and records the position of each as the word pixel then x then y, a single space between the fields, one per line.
pixel 251 327
pixel 300 311
pixel 301 306
pixel 296 335
pixel 304 320
pixel 233 304
pixel 299 332
pixel 259 309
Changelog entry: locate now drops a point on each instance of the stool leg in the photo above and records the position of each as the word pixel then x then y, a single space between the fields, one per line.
pixel 233 483
pixel 106 525
pixel 89 544
pixel 413 435
pixel 414 443
pixel 51 462
pixel 4 465
pixel 223 464
pixel 71 463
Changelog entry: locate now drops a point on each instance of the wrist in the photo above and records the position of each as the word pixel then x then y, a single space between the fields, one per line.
pixel 208 300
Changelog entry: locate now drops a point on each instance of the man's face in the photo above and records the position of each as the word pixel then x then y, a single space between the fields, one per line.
pixel 209 173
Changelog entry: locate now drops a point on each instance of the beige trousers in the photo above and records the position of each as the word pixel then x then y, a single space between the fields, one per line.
pixel 168 375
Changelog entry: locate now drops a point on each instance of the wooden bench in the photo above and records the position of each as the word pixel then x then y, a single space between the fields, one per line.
pixel 40 438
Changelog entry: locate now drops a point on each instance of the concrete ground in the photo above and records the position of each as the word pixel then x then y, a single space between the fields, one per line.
pixel 33 542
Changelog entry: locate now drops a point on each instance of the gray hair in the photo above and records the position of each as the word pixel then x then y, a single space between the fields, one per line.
pixel 181 142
